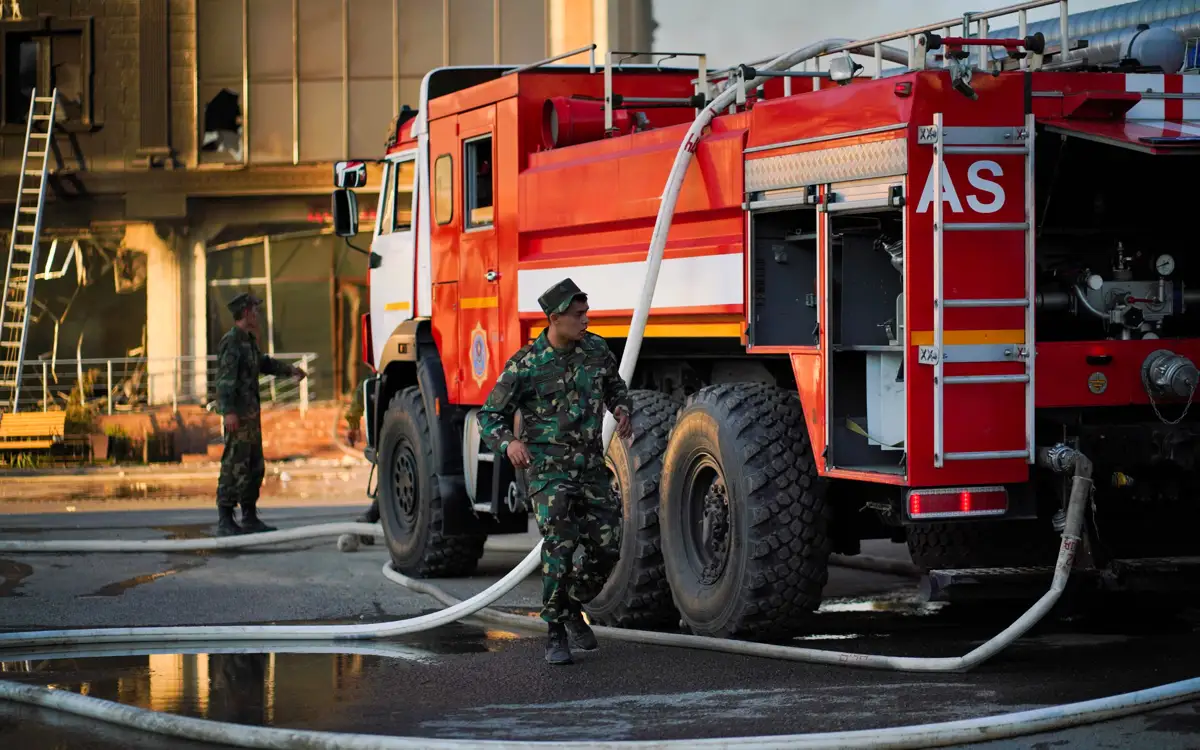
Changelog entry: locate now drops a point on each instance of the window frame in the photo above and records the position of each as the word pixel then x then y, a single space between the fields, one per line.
pixel 46 27
pixel 383 222
pixel 470 163
pixel 438 202
pixel 411 190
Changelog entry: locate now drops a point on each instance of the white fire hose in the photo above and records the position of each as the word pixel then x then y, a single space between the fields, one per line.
pixel 237 735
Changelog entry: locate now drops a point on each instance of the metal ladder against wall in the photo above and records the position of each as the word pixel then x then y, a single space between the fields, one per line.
pixel 23 246
pixel 998 141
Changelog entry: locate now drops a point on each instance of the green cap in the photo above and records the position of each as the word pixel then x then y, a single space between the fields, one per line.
pixel 559 297
pixel 243 301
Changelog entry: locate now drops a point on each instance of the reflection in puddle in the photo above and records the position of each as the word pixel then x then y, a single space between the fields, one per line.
pixel 245 688
pixel 302 686
pixel 12 574
pixel 900 605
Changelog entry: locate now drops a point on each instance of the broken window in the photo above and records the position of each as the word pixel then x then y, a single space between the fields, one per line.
pixel 223 124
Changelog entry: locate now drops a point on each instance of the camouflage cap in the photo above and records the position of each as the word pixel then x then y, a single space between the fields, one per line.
pixel 243 301
pixel 559 297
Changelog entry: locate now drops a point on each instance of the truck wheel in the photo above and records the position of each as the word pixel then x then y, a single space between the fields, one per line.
pixel 410 505
pixel 636 593
pixel 998 544
pixel 745 522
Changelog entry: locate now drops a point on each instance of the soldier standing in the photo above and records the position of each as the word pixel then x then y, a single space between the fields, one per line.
pixel 561 384
pixel 239 364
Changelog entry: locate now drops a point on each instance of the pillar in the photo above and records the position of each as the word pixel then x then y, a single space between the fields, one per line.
pixel 194 304
pixel 163 310
pixel 176 313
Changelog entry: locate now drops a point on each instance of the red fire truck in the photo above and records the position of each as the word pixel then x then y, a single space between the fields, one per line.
pixel 841 346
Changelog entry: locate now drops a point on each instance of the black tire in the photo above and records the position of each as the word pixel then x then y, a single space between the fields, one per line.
pixel 636 594
pixel 410 503
pixel 750 438
pixel 982 544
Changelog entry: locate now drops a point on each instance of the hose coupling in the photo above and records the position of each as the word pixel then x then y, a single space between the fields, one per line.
pixel 1059 459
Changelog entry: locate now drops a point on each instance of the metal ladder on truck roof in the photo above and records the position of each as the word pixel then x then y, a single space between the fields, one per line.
pixel 1001 141
pixel 23 246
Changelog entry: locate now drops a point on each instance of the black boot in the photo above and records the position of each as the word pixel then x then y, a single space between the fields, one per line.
pixel 582 636
pixel 251 523
pixel 372 514
pixel 557 650
pixel 226 526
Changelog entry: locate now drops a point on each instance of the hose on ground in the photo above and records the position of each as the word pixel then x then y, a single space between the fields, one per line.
pixel 477 605
pixel 1059 458
pixel 892 738
pixel 459 609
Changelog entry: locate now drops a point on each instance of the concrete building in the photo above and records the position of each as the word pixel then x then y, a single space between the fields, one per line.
pixel 190 131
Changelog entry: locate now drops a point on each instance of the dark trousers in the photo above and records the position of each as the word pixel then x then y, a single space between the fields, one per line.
pixel 575 515
pixel 242 468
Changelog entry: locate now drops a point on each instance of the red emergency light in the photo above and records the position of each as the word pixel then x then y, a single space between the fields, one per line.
pixel 957 502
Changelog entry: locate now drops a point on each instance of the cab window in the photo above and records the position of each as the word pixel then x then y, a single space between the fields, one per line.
pixel 402 192
pixel 384 222
pixel 477 161
pixel 443 189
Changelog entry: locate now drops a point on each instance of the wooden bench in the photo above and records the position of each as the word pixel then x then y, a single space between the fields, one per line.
pixel 35 430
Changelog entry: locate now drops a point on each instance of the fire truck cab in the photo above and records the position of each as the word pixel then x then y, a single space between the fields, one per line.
pixel 880 297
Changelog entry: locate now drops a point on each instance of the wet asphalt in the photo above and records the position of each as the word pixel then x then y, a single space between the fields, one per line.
pixel 474 682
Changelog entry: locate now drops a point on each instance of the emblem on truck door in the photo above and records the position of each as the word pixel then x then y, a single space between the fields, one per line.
pixel 479 354
pixel 1097 383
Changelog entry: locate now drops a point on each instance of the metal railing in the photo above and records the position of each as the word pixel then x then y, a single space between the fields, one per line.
pixel 873 47
pixel 131 384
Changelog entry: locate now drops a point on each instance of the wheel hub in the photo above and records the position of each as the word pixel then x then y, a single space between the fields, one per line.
pixel 714 531
pixel 404 482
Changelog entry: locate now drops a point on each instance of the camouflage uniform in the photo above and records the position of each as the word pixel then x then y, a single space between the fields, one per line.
pixel 562 396
pixel 242 467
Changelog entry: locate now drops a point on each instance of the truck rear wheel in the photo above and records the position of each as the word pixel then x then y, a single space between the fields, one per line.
pixel 410 504
pixel 636 594
pixel 745 522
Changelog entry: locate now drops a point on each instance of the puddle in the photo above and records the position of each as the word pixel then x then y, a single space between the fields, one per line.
pixel 900 604
pixel 188 531
pixel 301 685
pixel 120 587
pixel 104 490
pixel 12 575
pixel 247 688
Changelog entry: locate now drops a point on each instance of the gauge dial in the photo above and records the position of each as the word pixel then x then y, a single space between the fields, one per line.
pixel 1165 265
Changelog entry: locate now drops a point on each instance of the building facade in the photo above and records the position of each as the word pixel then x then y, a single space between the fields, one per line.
pixel 193 152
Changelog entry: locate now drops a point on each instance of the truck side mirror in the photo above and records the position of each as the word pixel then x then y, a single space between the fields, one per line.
pixel 350 174
pixel 345 213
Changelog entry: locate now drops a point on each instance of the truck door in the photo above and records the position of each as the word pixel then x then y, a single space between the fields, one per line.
pixel 975 368
pixel 478 275
pixel 393 250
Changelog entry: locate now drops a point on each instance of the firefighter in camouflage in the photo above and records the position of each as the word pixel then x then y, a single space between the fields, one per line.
pixel 242 468
pixel 561 385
